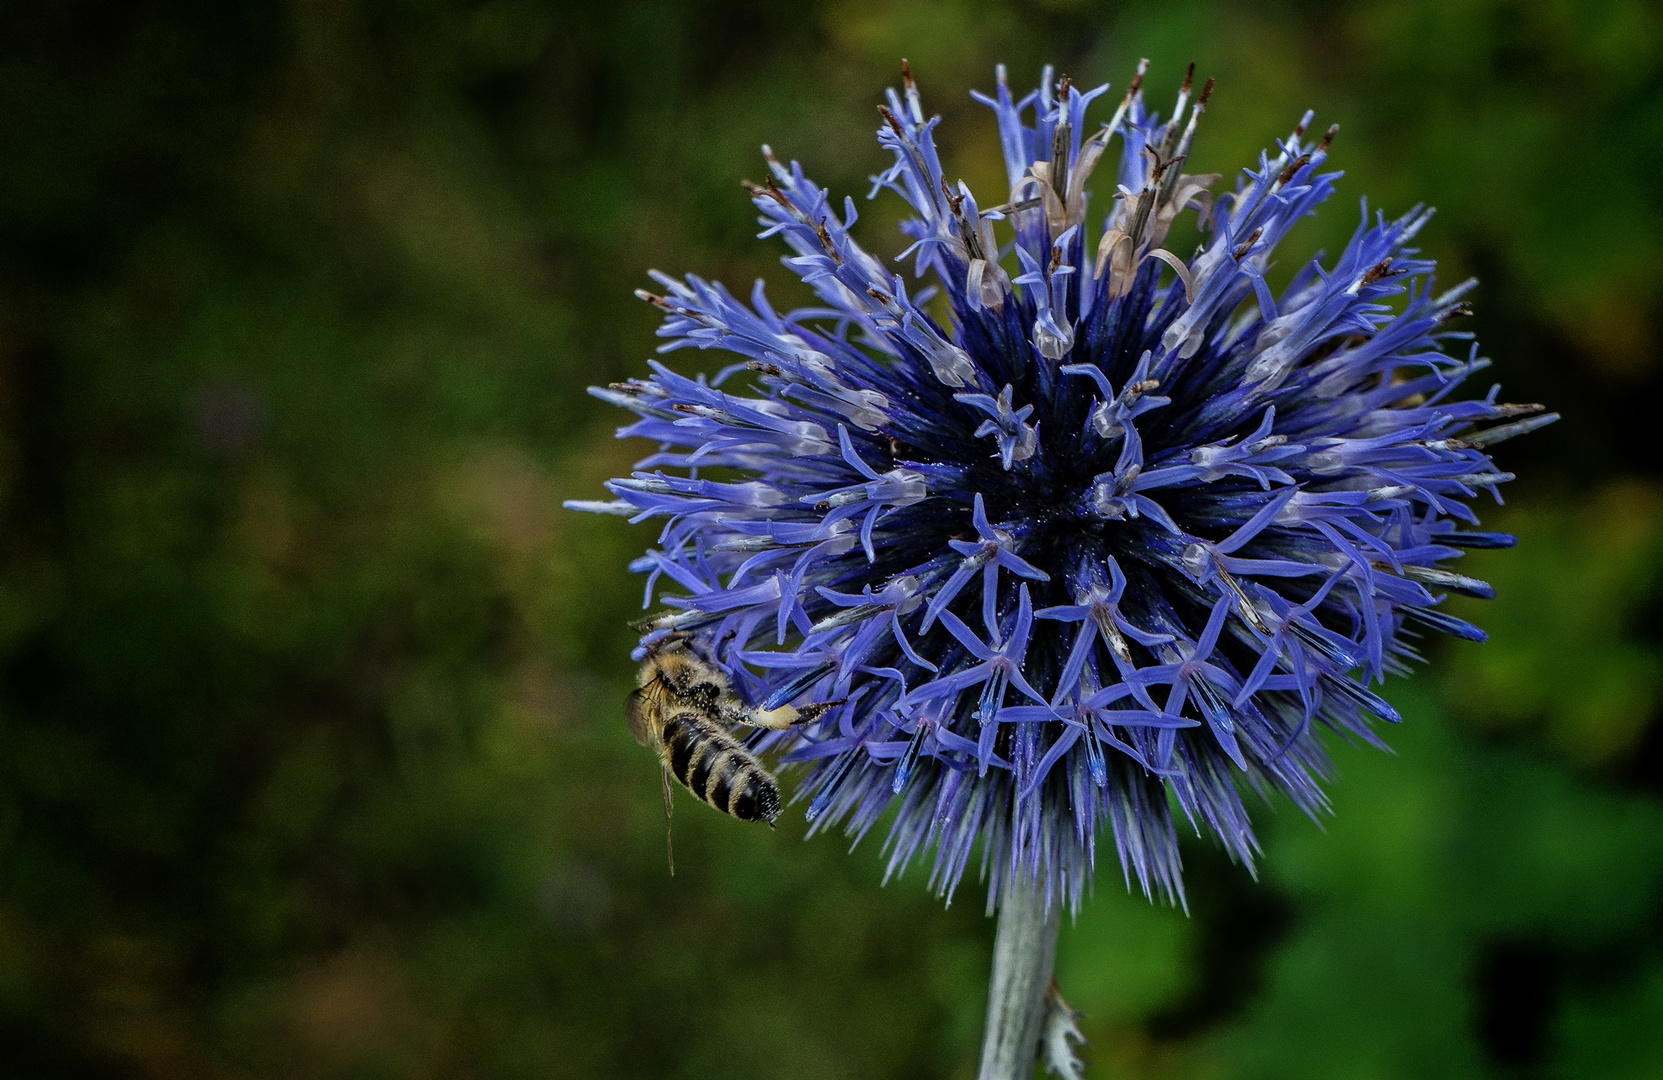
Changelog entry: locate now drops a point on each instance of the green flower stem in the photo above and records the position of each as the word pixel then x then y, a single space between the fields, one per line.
pixel 1024 948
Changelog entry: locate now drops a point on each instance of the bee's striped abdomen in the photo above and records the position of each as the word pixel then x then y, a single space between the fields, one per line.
pixel 713 766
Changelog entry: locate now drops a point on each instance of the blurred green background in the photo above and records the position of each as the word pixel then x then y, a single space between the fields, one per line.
pixel 311 753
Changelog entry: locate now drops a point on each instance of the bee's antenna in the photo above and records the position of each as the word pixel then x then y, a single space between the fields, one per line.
pixel 669 847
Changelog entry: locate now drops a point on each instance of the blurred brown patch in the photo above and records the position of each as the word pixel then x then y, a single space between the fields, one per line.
pixel 351 1006
pixel 550 698
pixel 505 497
pixel 1617 331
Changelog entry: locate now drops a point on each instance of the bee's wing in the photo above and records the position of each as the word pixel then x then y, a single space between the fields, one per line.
pixel 636 708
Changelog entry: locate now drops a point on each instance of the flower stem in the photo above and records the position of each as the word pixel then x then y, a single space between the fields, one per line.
pixel 1024 947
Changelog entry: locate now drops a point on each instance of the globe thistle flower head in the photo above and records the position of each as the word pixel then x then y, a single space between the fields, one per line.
pixel 1080 536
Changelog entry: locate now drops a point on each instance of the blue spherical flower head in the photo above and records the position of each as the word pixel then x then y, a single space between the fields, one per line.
pixel 1091 534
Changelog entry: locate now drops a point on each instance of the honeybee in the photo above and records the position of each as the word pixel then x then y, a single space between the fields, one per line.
pixel 682 710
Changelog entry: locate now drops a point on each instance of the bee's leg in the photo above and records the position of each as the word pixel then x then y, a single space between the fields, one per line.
pixel 812 712
pixel 775 719
pixel 731 712
pixel 669 847
pixel 671 639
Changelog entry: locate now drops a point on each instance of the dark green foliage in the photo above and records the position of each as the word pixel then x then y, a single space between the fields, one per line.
pixel 312 759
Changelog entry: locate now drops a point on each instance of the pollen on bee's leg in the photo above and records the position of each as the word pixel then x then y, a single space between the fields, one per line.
pixel 810 713
pixel 775 719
